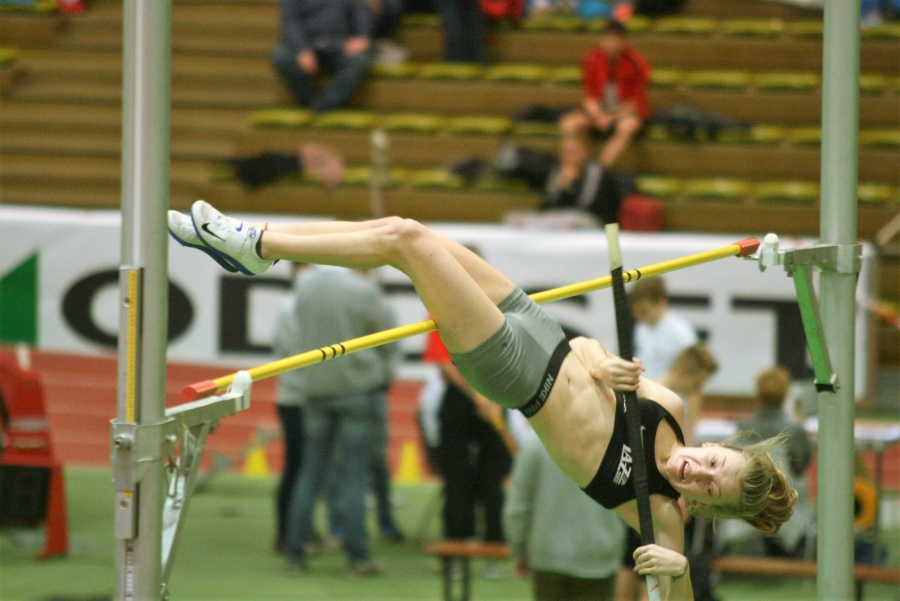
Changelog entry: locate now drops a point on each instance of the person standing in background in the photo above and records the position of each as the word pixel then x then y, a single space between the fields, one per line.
pixel 473 453
pixel 344 407
pixel 793 457
pixel 324 35
pixel 659 334
pixel 571 554
pixel 290 401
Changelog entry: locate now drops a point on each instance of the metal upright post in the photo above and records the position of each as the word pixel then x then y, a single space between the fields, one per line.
pixel 137 439
pixel 838 223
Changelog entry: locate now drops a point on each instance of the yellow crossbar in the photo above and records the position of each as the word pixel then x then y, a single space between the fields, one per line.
pixel 210 387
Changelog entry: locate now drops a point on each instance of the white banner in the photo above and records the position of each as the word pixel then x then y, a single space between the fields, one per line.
pixel 749 319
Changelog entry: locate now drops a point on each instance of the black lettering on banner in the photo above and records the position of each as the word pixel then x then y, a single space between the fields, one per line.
pixel 790 337
pixel 234 312
pixel 77 302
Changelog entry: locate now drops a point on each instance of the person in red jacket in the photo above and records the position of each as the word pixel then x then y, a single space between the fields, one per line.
pixel 615 78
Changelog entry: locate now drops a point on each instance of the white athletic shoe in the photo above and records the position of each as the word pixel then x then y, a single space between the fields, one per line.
pixel 181 228
pixel 237 243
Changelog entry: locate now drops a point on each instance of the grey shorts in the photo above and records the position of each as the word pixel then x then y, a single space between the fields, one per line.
pixel 517 366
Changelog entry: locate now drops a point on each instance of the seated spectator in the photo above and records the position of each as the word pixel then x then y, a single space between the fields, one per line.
pixel 566 543
pixel 570 181
pixel 615 78
pixel 324 35
pixel 793 457
pixel 268 167
pixel 578 182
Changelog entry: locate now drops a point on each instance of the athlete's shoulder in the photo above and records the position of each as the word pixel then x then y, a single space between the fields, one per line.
pixel 662 396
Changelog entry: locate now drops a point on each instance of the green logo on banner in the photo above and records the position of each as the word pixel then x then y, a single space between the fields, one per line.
pixel 18 303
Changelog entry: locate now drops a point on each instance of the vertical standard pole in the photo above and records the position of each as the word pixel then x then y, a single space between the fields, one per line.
pixel 838 224
pixel 144 289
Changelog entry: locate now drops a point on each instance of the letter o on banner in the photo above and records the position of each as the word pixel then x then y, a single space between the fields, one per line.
pixel 76 308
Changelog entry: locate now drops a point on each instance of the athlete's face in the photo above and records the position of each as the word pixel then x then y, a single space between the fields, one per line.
pixel 710 474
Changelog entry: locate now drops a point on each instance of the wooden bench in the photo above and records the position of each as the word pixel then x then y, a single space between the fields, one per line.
pixel 765 566
pixel 463 550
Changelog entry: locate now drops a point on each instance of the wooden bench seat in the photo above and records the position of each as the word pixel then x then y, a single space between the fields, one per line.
pixel 463 551
pixel 795 568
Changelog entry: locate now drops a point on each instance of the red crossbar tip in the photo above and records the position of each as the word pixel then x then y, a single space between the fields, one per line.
pixel 748 247
pixel 199 390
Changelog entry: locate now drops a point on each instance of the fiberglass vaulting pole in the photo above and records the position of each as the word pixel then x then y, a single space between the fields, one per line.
pixel 137 441
pixel 838 225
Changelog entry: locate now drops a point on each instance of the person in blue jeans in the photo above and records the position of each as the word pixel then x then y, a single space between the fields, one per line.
pixel 344 406
pixel 379 484
pixel 324 35
pixel 340 435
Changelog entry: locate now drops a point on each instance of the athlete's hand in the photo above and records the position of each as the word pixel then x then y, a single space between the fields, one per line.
pixel 617 373
pixel 653 559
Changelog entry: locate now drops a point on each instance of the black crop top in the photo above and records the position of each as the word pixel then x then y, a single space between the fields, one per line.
pixel 613 484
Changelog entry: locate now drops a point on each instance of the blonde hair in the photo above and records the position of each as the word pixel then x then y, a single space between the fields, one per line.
pixel 766 498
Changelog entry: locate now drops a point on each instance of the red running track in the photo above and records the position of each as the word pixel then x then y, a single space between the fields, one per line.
pixel 80 393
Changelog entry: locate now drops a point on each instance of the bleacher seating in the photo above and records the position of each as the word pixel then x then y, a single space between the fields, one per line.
pixel 225 97
pixel 752 61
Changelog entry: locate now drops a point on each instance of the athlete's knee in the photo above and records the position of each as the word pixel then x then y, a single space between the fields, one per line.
pixel 400 236
pixel 385 221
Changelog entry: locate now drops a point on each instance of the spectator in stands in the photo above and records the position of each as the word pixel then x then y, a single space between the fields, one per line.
pixel 473 453
pixel 686 377
pixel 464 31
pixel 315 160
pixel 793 457
pixel 615 78
pixel 324 35
pixel 344 406
pixel 571 554
pixel 659 334
pixel 571 181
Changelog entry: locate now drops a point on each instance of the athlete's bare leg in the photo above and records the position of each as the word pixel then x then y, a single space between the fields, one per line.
pixel 459 289
pixel 496 285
